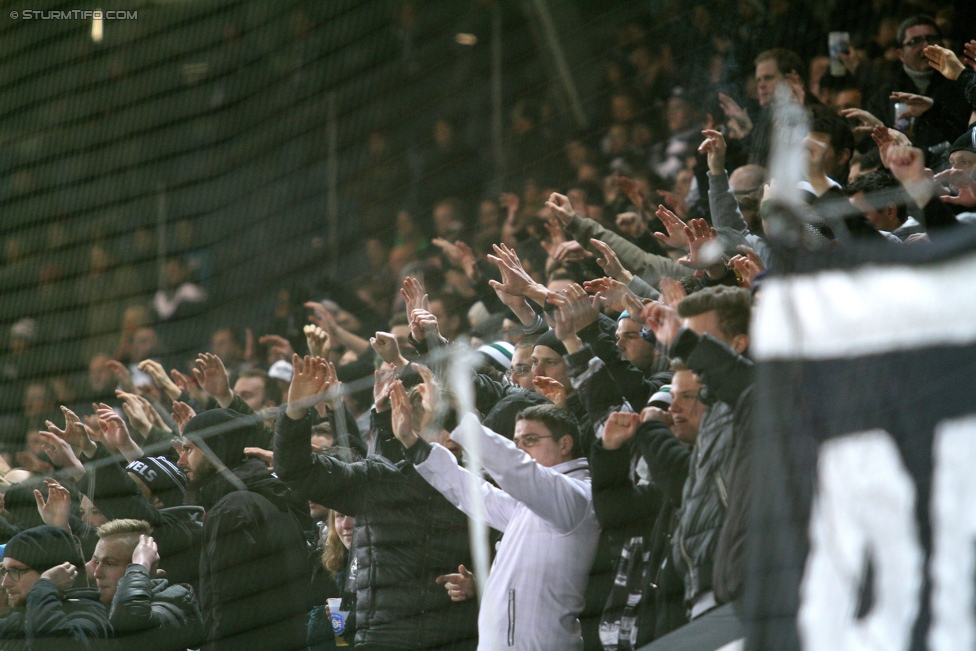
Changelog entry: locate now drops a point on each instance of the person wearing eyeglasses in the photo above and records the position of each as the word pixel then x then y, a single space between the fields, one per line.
pixel 43 586
pixel 543 504
pixel 937 105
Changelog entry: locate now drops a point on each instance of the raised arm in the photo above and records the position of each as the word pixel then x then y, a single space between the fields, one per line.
pixel 554 497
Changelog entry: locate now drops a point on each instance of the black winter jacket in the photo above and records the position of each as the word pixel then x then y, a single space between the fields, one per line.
pixel 51 622
pixel 406 535
pixel 254 572
pixel 154 615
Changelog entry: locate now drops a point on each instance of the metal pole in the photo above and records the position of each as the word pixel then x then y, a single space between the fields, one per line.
pixel 497 126
pixel 559 58
pixel 332 173
pixel 160 236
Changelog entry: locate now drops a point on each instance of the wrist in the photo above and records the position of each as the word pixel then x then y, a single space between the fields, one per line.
pixel 225 399
pixel 573 344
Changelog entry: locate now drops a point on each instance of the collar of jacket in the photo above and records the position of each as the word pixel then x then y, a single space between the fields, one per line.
pixel 579 468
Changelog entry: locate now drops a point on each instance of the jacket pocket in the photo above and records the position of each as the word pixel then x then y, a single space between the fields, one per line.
pixel 511 617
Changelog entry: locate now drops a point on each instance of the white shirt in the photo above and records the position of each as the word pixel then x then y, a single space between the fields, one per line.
pixel 534 592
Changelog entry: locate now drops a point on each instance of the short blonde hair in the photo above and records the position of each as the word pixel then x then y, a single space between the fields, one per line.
pixel 127 530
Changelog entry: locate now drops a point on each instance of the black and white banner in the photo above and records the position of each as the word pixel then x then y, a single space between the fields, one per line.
pixel 864 532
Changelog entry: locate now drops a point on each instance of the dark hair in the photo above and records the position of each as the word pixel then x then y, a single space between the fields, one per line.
pixel 881 189
pixel 787 61
pixel 558 420
pixel 914 21
pixel 837 129
pixel 272 390
pixel 733 306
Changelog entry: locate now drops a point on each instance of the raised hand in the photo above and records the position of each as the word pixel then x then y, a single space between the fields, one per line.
pixel 631 190
pixel 917 104
pixel 516 281
pixel 383 380
pixel 156 371
pixel 210 374
pixel 610 263
pixel 134 411
pixel 944 60
pixel 429 392
pixel 114 434
pixel 561 207
pixel 570 251
pixel 551 389
pixel 610 292
pixel 56 509
pixel 122 375
pixel 714 146
pixel 61 455
pixel 386 346
pixel 152 414
pixel 620 428
pixel 739 121
pixel 423 324
pixel 402 415
pixel 662 320
pixel 676 237
pixel 704 248
pixel 960 183
pixel 307 383
pixel 188 384
pixel 460 586
pixel 75 433
pixel 907 164
pixel 577 307
pixel 672 292
pixel 678 204
pixel 319 343
pixel 969 53
pixel 746 270
pixel 63 575
pixel 182 414
pixel 867 121
pixel 413 295
pixel 146 553
pixel 278 347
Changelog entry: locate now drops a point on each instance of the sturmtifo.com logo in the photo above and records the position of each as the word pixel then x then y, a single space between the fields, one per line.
pixel 73 14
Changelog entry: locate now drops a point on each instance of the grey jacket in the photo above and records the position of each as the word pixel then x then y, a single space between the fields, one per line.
pixel 649 266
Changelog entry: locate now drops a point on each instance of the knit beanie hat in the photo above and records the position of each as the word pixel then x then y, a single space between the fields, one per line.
pixel 498 354
pixel 163 477
pixel 43 547
pixel 550 340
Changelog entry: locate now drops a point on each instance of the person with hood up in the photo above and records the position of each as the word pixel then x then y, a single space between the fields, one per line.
pixel 254 571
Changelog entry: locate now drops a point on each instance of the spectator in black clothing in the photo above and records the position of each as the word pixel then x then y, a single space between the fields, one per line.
pixel 146 613
pixel 254 571
pixel 40 572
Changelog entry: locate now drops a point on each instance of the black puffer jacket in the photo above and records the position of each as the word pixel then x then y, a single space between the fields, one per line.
pixel 406 536
pixel 52 621
pixel 154 615
pixel 254 573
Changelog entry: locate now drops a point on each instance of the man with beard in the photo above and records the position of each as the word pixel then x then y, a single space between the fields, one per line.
pixel 254 571
pixel 40 569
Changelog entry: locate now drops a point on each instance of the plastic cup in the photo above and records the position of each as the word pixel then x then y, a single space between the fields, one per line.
pixel 338 618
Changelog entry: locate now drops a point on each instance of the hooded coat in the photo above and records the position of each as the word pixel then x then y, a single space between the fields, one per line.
pixel 254 571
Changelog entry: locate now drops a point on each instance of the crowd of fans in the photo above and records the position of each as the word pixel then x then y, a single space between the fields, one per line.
pixel 306 487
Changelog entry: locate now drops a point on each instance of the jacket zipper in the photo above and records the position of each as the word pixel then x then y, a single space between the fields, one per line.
pixel 511 617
